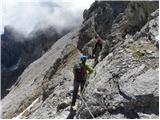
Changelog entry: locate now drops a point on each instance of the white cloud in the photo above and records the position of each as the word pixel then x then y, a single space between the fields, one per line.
pixel 25 14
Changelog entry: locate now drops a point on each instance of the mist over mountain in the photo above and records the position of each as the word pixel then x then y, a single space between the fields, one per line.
pixel 30 28
pixel 124 83
pixel 27 15
pixel 18 51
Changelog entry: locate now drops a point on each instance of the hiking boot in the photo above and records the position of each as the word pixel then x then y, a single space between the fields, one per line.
pixel 72 104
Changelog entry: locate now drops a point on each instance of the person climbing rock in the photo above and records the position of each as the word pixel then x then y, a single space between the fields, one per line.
pixel 80 71
pixel 97 49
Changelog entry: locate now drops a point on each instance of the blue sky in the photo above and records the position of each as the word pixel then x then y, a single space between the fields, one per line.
pixel 24 15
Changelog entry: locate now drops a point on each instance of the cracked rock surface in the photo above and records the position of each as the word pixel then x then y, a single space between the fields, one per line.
pixel 124 83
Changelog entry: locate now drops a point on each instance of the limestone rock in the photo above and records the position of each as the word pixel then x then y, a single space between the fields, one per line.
pixel 124 83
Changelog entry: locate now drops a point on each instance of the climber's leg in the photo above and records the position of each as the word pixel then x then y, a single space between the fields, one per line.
pixel 82 86
pixel 75 91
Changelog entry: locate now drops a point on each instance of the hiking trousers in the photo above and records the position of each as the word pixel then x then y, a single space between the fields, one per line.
pixel 96 58
pixel 76 86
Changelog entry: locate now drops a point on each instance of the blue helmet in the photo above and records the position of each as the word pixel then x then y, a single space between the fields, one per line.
pixel 83 58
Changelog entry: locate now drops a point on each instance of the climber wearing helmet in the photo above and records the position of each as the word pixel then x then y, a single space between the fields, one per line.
pixel 97 49
pixel 80 72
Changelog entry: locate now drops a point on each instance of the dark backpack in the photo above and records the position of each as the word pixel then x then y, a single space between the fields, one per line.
pixel 80 73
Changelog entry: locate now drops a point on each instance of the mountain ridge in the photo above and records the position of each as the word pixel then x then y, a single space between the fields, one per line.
pixel 124 83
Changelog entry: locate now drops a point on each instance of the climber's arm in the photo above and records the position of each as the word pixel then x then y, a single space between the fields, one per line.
pixel 89 69
pixel 74 69
pixel 101 46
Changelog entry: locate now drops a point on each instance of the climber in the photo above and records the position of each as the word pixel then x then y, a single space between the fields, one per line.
pixel 97 49
pixel 80 71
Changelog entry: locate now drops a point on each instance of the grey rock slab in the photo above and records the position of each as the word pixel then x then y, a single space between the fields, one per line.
pixel 144 84
pixel 29 84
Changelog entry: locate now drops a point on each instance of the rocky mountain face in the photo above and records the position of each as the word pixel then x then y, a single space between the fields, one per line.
pixel 125 82
pixel 18 52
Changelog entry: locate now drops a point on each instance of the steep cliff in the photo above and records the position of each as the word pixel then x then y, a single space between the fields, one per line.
pixel 19 51
pixel 124 83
